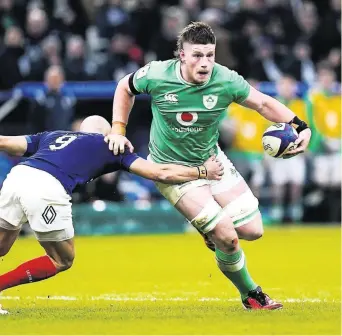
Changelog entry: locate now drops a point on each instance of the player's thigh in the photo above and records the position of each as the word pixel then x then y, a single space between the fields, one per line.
pixel 8 235
pixel 234 195
pixel 61 252
pixel 47 208
pixel 198 206
pixel 11 210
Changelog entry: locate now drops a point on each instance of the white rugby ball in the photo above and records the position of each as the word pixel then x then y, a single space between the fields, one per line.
pixel 278 139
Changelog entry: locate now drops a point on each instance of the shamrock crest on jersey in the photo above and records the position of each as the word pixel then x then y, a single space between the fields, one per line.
pixel 209 101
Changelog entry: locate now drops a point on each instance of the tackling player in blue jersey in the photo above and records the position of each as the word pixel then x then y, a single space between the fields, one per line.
pixel 38 190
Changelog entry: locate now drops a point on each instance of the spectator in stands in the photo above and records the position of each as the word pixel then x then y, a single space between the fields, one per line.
pixel 77 66
pixel 192 9
pixel 146 18
pixel 223 54
pixel 250 10
pixel 266 67
pixel 37 29
pixel 276 33
pixel 329 31
pixel 49 54
pixel 163 44
pixel 308 22
pixel 12 65
pixel 249 39
pixel 67 16
pixel 299 64
pixel 123 57
pixel 52 109
pixel 334 61
pixel 8 17
pixel 282 26
pixel 112 19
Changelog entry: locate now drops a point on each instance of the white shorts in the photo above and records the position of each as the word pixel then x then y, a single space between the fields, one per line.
pixel 327 169
pixel 284 171
pixel 231 177
pixel 34 196
pixel 241 210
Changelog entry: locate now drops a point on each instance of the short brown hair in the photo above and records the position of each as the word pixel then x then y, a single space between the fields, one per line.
pixel 195 33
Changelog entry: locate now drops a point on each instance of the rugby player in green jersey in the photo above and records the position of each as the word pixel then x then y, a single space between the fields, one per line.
pixel 189 96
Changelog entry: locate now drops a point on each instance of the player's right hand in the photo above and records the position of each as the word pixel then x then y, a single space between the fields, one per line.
pixel 215 169
pixel 117 143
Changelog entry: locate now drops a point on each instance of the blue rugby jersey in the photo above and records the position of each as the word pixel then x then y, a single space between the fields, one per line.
pixel 73 158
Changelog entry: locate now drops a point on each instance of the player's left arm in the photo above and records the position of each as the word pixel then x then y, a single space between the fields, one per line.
pixel 14 145
pixel 174 173
pixel 275 111
pixel 22 145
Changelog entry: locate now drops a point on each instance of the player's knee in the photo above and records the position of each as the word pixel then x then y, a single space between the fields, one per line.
pixel 252 230
pixel 67 262
pixel 4 245
pixel 63 263
pixel 253 235
pixel 225 237
pixel 3 249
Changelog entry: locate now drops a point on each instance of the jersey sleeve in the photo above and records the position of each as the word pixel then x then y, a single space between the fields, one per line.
pixel 33 141
pixel 127 158
pixel 237 87
pixel 142 80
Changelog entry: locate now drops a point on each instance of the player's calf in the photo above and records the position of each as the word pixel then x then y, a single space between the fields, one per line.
pixel 60 256
pixel 30 271
pixel 230 257
pixel 61 253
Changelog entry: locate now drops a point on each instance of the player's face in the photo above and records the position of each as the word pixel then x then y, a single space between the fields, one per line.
pixel 197 62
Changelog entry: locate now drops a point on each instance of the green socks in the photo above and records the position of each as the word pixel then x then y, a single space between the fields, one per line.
pixel 233 266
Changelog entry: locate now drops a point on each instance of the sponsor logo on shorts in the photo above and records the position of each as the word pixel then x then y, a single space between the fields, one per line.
pixel 49 214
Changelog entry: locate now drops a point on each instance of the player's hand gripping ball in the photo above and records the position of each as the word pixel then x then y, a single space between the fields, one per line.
pixel 278 139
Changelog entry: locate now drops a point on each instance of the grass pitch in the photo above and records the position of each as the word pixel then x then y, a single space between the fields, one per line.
pixel 170 285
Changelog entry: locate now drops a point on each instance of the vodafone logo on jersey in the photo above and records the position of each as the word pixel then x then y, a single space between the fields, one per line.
pixel 187 118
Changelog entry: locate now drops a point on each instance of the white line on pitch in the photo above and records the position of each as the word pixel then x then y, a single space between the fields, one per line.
pixel 111 297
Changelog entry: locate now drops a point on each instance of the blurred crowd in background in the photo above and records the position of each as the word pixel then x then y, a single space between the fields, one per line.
pixel 284 42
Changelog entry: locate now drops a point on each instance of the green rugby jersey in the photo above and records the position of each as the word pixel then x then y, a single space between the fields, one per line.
pixel 186 116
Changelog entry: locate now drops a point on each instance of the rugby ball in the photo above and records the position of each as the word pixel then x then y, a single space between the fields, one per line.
pixel 278 139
